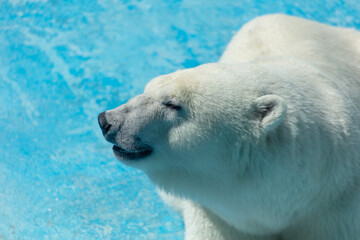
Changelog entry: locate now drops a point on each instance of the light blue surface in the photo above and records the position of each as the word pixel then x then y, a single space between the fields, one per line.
pixel 62 63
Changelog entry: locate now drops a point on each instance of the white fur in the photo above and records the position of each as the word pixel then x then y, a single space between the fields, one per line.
pixel 267 143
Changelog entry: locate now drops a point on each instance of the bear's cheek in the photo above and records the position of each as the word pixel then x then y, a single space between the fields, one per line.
pixel 183 137
pixel 188 140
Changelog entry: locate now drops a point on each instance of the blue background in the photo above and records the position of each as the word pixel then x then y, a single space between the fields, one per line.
pixel 62 63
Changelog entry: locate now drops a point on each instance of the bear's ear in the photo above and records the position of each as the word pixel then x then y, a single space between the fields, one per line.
pixel 270 111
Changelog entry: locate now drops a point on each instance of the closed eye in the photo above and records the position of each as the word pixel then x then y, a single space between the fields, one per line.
pixel 172 106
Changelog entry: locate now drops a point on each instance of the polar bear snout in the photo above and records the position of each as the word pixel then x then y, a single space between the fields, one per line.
pixel 126 146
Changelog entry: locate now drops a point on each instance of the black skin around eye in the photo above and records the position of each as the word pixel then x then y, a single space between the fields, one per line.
pixel 172 106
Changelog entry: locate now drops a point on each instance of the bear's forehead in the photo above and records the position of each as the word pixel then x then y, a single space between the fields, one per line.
pixel 175 84
pixel 205 83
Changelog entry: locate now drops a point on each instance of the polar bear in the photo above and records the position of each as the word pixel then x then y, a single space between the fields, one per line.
pixel 264 144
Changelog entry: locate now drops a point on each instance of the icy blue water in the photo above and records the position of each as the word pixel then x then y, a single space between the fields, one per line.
pixel 63 62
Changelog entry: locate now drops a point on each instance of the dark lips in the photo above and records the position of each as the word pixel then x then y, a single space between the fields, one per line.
pixel 128 155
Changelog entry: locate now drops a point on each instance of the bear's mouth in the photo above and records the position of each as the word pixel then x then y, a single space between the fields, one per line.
pixel 131 155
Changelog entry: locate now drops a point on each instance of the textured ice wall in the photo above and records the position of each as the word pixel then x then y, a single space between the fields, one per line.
pixel 63 62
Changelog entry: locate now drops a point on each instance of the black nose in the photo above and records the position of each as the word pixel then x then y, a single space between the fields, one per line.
pixel 104 125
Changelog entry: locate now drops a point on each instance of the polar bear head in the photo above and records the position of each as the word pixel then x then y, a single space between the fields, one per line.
pixel 193 123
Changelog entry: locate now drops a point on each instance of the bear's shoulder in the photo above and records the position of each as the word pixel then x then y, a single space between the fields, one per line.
pixel 294 37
